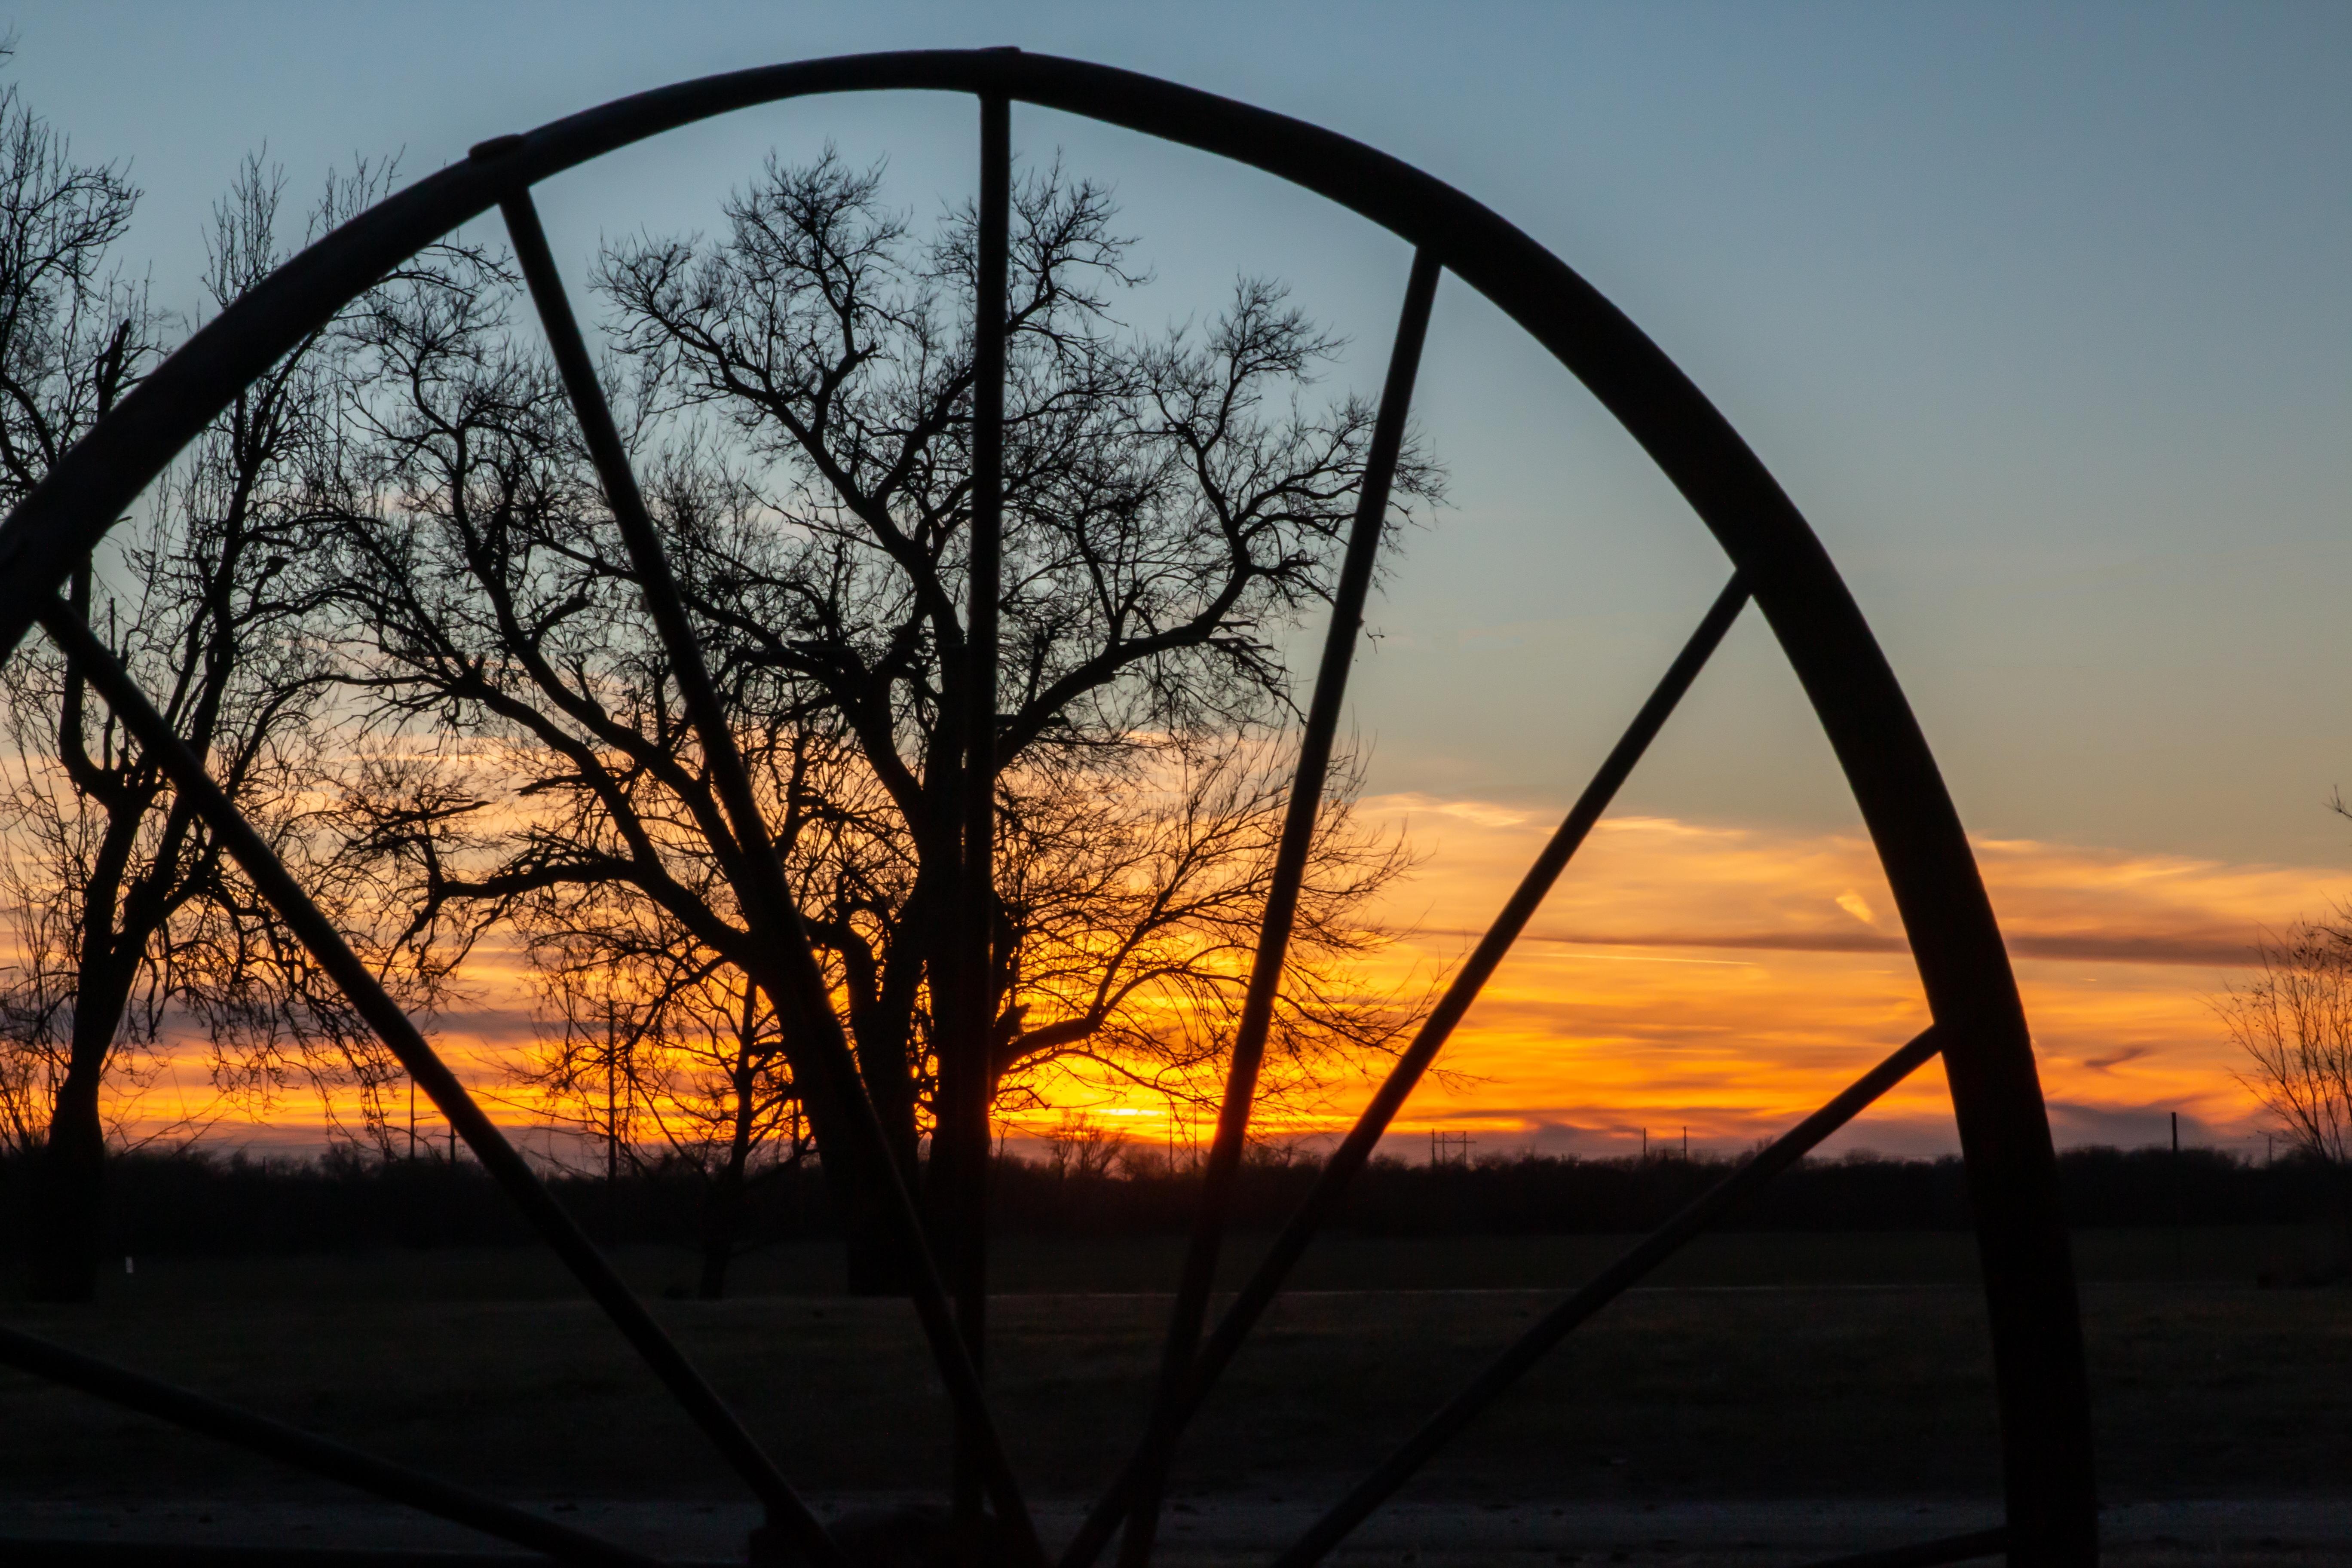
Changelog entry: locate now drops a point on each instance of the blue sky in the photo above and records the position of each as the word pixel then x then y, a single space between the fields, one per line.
pixel 2039 312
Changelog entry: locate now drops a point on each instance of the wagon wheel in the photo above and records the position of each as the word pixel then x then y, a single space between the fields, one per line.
pixel 1979 1025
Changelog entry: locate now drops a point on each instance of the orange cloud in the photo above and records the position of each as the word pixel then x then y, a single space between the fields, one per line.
pixel 1730 979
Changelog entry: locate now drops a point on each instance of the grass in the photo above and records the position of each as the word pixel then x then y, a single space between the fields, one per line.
pixel 1863 1374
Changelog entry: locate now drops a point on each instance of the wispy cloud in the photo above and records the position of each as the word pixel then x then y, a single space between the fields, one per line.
pixel 1770 968
pixel 1657 882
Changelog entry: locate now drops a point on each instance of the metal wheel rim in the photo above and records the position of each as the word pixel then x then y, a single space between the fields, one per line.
pixel 2038 1367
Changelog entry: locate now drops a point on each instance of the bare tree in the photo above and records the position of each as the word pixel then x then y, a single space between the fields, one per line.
pixel 672 1064
pixel 74 332
pixel 2293 1021
pixel 73 337
pixel 1080 1148
pixel 130 920
pixel 802 398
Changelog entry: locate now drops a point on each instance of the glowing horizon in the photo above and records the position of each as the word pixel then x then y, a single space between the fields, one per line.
pixel 1721 979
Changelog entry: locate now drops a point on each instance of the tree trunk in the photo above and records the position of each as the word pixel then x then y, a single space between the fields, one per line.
pixel 869 1236
pixel 68 1188
pixel 874 1263
pixel 955 1182
pixel 869 1233
pixel 722 1204
pixel 877 1264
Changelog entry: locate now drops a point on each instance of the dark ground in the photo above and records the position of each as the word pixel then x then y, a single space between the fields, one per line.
pixel 1770 1376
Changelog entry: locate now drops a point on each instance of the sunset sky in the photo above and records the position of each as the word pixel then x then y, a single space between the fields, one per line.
pixel 2040 313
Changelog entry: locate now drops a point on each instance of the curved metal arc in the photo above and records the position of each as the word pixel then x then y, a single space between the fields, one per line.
pixel 1265 1281
pixel 1691 441
pixel 1795 584
pixel 1603 1288
pixel 505 1165
pixel 309 1451
pixel 2038 1371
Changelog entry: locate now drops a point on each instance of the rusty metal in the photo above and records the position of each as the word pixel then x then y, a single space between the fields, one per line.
pixel 1979 1021
pixel 1349 1158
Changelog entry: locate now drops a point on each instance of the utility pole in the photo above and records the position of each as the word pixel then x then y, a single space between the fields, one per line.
pixel 1645 1144
pixel 412 1118
pixel 2179 1236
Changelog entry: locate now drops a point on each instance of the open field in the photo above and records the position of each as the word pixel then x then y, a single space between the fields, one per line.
pixel 2220 1254
pixel 1771 1377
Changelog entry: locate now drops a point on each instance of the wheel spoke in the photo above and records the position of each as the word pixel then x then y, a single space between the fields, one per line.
pixel 966 1076
pixel 1281 896
pixel 1349 1159
pixel 1603 1287
pixel 309 1451
pixel 500 1158
pixel 796 981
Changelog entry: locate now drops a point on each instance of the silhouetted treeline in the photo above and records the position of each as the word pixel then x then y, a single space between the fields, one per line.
pixel 186 1202
pixel 196 1203
pixel 1539 1194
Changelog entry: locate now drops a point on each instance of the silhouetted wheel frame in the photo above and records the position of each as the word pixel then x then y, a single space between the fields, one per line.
pixel 1979 1025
